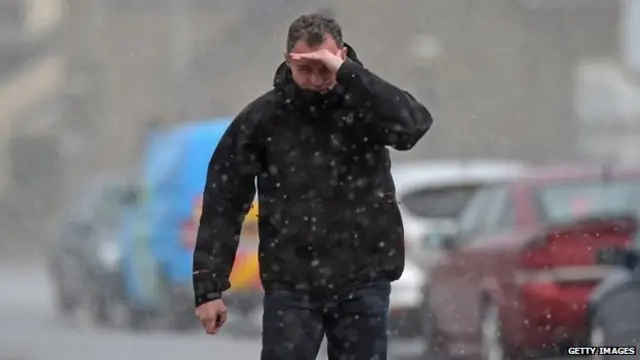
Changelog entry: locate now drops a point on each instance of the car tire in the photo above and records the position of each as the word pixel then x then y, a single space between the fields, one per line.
pixel 596 338
pixel 100 312
pixel 107 311
pixel 492 347
pixel 65 305
pixel 431 341
pixel 136 320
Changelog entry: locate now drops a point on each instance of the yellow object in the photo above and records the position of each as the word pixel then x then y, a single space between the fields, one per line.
pixel 252 214
pixel 246 272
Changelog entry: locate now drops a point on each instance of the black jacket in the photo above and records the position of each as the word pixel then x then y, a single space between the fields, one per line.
pixel 327 211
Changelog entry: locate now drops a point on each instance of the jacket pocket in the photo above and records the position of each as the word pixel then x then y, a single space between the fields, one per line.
pixel 382 225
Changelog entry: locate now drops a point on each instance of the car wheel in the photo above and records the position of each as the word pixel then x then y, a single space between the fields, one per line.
pixel 65 305
pixel 431 341
pixel 65 301
pixel 492 347
pixel 597 338
pixel 107 311
pixel 99 310
pixel 136 320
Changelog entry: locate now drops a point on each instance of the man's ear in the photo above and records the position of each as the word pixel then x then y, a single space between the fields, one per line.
pixel 345 53
pixel 287 59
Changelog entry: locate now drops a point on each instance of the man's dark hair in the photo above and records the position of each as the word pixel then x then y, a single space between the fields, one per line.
pixel 312 29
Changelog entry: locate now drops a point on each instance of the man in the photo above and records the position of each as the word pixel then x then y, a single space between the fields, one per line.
pixel 331 236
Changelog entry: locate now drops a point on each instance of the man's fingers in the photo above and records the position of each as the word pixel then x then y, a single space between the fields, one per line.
pixel 306 56
pixel 209 326
pixel 221 319
pixel 213 325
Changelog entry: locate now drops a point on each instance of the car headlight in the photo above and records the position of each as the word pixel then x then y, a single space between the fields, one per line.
pixel 109 254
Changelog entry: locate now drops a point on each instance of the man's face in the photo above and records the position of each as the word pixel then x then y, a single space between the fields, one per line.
pixel 313 75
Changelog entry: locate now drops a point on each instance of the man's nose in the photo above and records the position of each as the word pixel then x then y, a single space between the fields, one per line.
pixel 316 79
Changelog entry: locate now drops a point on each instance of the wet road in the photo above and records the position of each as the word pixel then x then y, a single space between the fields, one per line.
pixel 30 330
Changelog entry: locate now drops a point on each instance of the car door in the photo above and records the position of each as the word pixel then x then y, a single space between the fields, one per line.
pixel 70 259
pixel 103 252
pixel 451 279
pixel 486 258
pixel 67 262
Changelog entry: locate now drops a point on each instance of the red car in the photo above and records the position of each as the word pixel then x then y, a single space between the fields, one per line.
pixel 516 279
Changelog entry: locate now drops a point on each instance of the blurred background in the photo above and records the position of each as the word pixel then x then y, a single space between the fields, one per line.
pixel 83 83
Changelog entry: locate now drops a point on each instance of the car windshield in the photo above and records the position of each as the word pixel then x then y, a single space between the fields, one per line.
pixel 571 200
pixel 109 210
pixel 439 202
pixel 101 203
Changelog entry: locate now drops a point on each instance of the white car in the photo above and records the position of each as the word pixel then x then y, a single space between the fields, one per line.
pixel 431 194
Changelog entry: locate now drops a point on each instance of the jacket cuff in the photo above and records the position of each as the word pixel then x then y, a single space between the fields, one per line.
pixel 206 288
pixel 348 71
pixel 205 298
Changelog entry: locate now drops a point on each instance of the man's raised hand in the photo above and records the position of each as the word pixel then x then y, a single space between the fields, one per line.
pixel 330 60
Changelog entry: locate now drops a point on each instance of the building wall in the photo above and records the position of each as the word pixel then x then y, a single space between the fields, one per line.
pixel 501 81
pixel 31 70
pixel 499 78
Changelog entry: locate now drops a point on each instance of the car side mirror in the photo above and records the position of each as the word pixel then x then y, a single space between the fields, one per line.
pixel 438 241
pixel 130 196
pixel 626 258
pixel 448 242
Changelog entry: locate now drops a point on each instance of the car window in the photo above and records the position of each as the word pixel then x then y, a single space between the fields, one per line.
pixel 483 214
pixel 566 201
pixel 439 202
pixel 473 216
pixel 507 218
pixel 83 210
pixel 500 216
pixel 109 209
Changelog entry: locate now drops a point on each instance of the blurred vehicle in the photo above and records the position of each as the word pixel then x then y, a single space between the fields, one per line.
pixel 245 295
pixel 85 261
pixel 159 236
pixel 431 195
pixel 614 306
pixel 517 276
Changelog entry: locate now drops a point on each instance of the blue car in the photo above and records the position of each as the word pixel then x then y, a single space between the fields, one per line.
pixel 158 233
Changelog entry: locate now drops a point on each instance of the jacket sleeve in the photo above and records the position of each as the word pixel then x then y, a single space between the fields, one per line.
pixel 401 122
pixel 228 195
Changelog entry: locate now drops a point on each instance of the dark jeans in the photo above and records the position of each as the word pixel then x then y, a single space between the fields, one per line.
pixel 355 323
